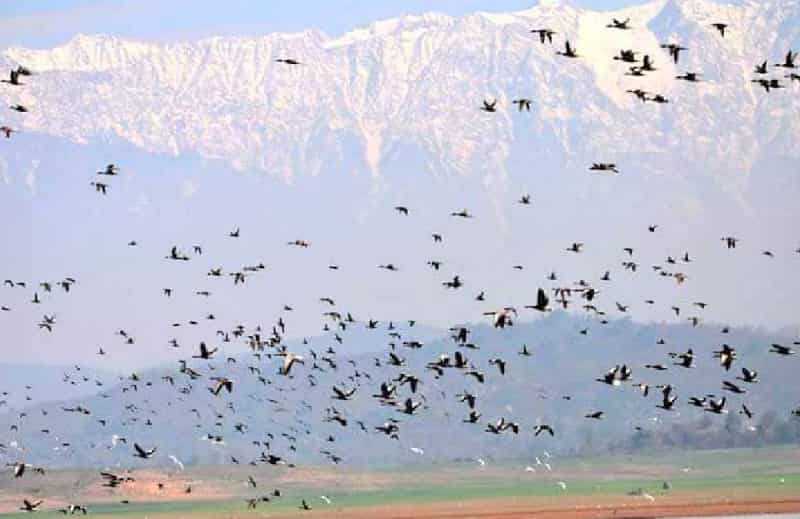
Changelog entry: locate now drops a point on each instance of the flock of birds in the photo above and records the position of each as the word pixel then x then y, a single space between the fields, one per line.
pixel 402 395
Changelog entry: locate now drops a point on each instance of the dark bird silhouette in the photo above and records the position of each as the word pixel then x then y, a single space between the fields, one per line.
pixel 616 24
pixel 31 506
pixel 542 301
pixel 749 376
pixel 522 104
pixel 545 35
pixel 604 166
pixel 789 60
pixel 568 51
pixel 145 454
pixel 674 50
pixel 726 356
pixel 692 77
pixel 720 27
pixel 13 78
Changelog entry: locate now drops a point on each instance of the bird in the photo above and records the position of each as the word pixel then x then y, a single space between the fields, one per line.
pixel 668 399
pixel 539 429
pixel 604 166
pixel 502 318
pixel 726 356
pixel 205 353
pixel 691 77
pixel 749 376
pixel 720 27
pixel 110 170
pixel 685 360
pixel 788 61
pixel 545 35
pixel 176 461
pixel 717 406
pixel 31 506
pixel 768 84
pixel 143 453
pixel 569 51
pixel 674 50
pixel 19 470
pixel 616 24
pixel 489 107
pixel 341 394
pixel 523 104
pixel 733 388
pixel 100 187
pixel 454 283
pixel 542 302
pixel 781 350
pixel 222 383
pixel 500 363
pixel 289 360
pixel 288 61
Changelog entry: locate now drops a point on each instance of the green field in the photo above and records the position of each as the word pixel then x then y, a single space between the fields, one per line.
pixel 762 472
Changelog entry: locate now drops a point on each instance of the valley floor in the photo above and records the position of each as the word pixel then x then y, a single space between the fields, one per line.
pixel 675 484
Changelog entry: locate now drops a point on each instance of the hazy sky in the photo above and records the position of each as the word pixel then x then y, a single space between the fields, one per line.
pixel 48 22
pixel 61 227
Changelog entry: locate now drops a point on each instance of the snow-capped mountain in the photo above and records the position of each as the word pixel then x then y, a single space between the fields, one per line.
pixel 414 85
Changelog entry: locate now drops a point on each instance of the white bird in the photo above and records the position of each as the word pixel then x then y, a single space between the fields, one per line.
pixel 546 454
pixel 648 497
pixel 289 360
pixel 176 461
pixel 548 467
pixel 326 499
pixel 562 485
pixel 417 450
pixel 480 460
pixel 530 469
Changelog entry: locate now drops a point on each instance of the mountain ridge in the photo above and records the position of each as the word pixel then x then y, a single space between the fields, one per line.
pixel 418 81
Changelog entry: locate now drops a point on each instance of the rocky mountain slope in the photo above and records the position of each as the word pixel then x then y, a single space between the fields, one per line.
pixel 412 86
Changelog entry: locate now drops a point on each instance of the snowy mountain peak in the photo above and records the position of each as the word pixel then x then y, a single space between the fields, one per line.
pixel 415 84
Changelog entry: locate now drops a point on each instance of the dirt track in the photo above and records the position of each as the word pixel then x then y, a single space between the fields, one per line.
pixel 567 510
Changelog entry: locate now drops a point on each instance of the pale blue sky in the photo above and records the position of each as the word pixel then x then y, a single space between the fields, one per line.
pixel 42 23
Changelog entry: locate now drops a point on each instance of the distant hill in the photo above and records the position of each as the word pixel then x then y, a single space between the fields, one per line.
pixel 564 362
pixel 47 384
